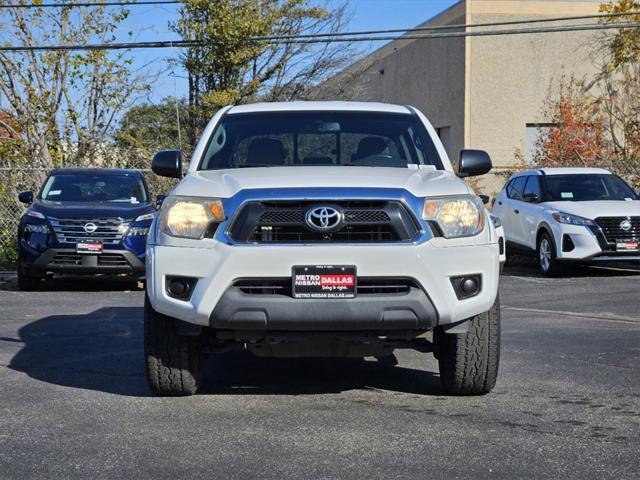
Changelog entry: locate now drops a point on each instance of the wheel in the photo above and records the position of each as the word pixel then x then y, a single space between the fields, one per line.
pixel 173 362
pixel 546 255
pixel 26 282
pixel 469 362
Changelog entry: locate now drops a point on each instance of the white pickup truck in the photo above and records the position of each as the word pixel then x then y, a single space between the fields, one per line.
pixel 322 229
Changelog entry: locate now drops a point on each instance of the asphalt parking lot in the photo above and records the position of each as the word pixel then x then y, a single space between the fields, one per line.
pixel 74 401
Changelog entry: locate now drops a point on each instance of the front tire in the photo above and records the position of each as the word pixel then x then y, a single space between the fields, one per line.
pixel 173 362
pixel 546 256
pixel 469 362
pixel 26 282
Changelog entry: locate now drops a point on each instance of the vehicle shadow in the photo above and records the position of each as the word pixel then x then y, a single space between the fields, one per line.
pixel 103 351
pixel 243 373
pixel 525 266
pixel 81 283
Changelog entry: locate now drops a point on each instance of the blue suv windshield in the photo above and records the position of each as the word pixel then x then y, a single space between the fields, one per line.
pixel 319 138
pixel 94 188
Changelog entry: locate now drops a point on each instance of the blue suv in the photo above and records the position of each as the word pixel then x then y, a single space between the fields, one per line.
pixel 84 221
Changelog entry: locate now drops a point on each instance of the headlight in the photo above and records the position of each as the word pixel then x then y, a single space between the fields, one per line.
pixel 34 214
pixel 36 228
pixel 138 231
pixel 455 216
pixel 190 217
pixel 148 216
pixel 567 218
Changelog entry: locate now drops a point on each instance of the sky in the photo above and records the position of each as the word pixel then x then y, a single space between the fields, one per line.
pixel 152 23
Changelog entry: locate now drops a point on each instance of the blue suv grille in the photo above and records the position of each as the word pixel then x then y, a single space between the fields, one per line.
pixel 109 231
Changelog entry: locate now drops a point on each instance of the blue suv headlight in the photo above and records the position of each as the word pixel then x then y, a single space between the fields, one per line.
pixel 36 228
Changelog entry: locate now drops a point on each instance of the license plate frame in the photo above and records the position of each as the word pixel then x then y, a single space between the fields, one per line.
pixel 324 282
pixel 628 246
pixel 89 247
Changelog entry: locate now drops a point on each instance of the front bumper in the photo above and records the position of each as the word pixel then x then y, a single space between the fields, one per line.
pixel 238 311
pixel 217 266
pixel 66 260
pixel 586 245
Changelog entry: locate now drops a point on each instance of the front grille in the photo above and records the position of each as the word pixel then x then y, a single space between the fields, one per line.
pixel 109 231
pixel 365 221
pixel 365 286
pixel 112 260
pixel 67 259
pixel 612 231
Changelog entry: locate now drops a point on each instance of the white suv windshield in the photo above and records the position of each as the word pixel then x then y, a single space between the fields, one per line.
pixel 586 187
pixel 279 139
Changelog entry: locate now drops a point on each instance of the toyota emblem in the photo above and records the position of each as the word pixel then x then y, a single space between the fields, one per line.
pixel 625 225
pixel 90 227
pixel 324 218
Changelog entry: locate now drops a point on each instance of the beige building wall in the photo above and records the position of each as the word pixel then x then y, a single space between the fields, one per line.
pixel 509 77
pixel 428 74
pixel 480 92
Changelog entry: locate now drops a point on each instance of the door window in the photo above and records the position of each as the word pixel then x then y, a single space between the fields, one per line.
pixel 533 187
pixel 516 188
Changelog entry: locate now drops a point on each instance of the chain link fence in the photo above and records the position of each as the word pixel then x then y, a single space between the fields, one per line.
pixel 16 180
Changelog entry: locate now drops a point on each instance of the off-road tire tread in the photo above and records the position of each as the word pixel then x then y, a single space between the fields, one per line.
pixel 173 362
pixel 469 362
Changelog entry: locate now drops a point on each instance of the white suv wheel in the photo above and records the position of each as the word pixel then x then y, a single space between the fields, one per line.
pixel 545 255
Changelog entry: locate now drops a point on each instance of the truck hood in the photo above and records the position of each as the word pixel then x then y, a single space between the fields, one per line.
pixel 600 208
pixel 226 183
pixel 86 210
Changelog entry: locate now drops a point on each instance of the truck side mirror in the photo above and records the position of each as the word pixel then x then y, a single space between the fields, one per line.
pixel 531 197
pixel 485 199
pixel 26 197
pixel 168 163
pixel 473 163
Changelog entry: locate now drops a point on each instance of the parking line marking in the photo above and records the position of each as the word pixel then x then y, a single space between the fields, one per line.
pixel 530 279
pixel 606 318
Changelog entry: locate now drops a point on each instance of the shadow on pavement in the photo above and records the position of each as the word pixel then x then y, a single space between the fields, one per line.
pixel 103 351
pixel 81 283
pixel 242 373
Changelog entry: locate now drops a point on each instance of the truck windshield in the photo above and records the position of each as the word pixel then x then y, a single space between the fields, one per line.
pixel 94 188
pixel 319 138
pixel 586 187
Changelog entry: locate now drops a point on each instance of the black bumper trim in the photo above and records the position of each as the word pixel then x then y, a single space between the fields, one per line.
pixel 240 311
pixel 43 263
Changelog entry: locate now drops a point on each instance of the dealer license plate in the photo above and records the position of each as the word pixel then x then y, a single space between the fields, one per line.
pixel 324 281
pixel 89 247
pixel 628 245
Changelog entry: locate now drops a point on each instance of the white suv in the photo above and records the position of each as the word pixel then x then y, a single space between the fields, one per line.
pixel 570 214
pixel 322 229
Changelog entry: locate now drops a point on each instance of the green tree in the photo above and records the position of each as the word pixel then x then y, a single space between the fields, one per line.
pixel 232 67
pixel 623 47
pixel 64 103
pixel 148 128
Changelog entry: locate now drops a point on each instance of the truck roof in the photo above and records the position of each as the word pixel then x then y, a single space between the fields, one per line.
pixel 301 106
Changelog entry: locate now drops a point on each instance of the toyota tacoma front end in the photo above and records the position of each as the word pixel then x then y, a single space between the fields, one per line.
pixel 322 229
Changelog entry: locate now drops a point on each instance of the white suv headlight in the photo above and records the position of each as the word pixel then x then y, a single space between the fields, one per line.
pixel 569 219
pixel 456 217
pixel 190 217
